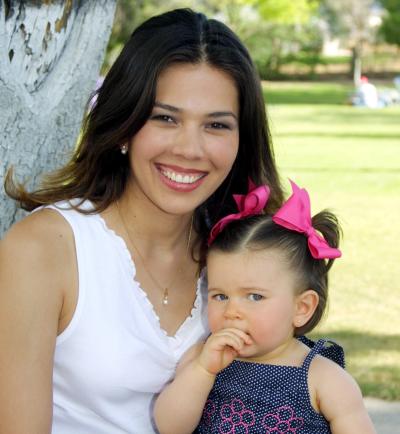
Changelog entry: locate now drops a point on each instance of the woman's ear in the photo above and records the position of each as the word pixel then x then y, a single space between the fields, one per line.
pixel 305 306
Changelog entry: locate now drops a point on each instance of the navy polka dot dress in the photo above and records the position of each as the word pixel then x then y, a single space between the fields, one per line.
pixel 252 398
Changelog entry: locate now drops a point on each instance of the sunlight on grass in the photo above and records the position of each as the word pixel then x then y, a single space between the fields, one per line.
pixel 306 93
pixel 349 160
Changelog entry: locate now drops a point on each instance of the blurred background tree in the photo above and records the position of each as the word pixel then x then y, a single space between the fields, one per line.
pixel 288 39
pixel 272 29
pixel 286 31
pixel 350 20
pixel 391 22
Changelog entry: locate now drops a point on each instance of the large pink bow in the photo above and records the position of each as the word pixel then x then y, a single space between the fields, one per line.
pixel 295 214
pixel 250 204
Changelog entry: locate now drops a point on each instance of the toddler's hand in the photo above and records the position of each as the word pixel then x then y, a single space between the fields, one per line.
pixel 221 348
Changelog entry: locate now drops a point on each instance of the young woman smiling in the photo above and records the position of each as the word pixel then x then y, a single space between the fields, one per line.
pixel 107 292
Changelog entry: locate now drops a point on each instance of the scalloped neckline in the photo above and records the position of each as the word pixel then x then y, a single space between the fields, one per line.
pixel 194 313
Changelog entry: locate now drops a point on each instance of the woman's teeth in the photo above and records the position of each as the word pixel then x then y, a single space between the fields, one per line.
pixel 184 179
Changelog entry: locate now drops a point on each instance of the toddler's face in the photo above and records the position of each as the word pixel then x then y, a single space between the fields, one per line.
pixel 253 291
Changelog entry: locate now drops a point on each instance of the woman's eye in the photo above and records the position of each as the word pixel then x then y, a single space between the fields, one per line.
pixel 162 118
pixel 219 126
pixel 255 297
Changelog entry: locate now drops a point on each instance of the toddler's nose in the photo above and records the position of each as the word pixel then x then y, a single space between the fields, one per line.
pixel 232 311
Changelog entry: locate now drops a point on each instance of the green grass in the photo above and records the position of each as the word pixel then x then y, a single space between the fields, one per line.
pixel 306 93
pixel 349 160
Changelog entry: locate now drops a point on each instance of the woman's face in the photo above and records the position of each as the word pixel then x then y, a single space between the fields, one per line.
pixel 188 145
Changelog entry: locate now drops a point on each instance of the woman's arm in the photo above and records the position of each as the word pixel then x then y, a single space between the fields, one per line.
pixel 34 262
pixel 339 398
pixel 179 407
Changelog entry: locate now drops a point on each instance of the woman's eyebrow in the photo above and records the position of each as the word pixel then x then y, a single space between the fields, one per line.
pixel 221 114
pixel 167 107
pixel 172 108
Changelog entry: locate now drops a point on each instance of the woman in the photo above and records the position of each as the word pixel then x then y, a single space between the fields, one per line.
pixel 100 292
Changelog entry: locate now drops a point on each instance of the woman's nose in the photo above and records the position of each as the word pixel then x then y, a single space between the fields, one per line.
pixel 189 142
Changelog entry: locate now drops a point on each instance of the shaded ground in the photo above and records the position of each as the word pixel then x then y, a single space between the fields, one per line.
pixel 385 415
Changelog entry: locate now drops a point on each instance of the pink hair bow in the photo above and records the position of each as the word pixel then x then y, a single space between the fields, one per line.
pixel 250 204
pixel 295 215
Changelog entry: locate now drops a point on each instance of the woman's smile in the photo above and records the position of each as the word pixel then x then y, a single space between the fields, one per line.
pixel 179 178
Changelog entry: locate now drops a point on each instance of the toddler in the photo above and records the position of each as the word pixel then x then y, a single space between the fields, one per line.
pixel 257 372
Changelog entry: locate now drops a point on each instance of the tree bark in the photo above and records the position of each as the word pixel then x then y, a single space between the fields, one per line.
pixel 54 51
pixel 356 65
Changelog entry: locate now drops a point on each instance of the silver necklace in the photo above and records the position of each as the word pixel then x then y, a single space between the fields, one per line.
pixel 164 289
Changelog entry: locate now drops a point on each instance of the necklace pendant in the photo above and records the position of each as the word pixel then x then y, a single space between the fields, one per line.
pixel 165 297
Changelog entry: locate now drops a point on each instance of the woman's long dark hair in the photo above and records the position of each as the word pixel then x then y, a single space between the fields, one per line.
pixel 99 172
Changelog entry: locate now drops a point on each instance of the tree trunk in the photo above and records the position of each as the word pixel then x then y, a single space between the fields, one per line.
pixel 54 51
pixel 356 65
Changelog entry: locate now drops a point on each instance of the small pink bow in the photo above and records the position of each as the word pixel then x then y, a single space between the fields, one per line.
pixel 295 214
pixel 250 204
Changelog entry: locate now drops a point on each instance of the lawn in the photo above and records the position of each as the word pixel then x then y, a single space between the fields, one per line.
pixel 349 160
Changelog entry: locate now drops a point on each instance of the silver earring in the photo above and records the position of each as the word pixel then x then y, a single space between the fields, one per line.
pixel 124 149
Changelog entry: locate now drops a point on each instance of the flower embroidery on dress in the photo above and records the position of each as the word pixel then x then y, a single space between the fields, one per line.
pixel 209 410
pixel 236 419
pixel 283 421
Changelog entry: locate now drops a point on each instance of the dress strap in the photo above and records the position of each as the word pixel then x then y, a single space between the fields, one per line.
pixel 332 351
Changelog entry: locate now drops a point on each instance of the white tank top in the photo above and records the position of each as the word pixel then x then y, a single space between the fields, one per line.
pixel 113 357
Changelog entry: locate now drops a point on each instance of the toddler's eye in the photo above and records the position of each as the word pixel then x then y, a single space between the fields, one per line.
pixel 256 297
pixel 219 297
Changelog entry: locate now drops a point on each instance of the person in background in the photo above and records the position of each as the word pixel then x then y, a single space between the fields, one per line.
pixel 101 287
pixel 367 94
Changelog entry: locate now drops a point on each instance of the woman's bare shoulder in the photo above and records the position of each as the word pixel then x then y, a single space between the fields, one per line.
pixel 40 246
pixel 42 234
pixel 39 226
